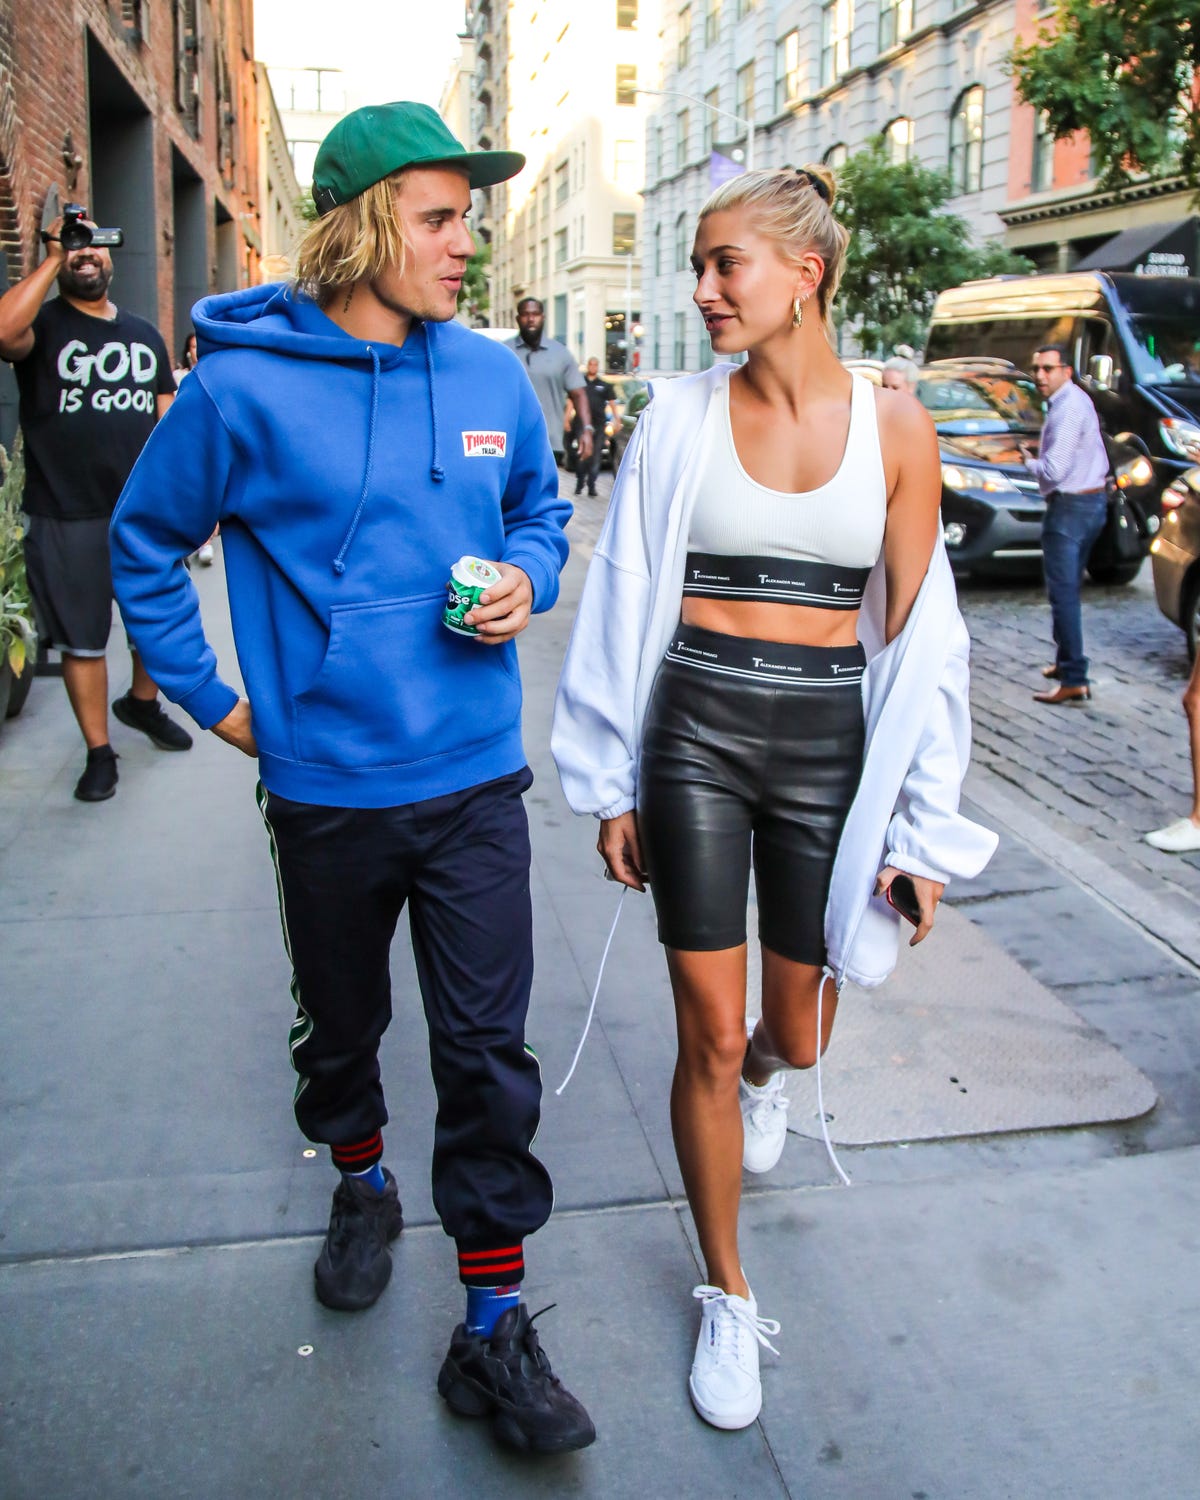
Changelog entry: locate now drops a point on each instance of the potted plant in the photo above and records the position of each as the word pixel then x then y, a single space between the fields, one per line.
pixel 18 635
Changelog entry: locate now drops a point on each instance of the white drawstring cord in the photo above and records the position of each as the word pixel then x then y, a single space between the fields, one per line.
pixel 587 1025
pixel 826 973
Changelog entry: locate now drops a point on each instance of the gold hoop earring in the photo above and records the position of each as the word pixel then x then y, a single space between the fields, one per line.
pixel 798 313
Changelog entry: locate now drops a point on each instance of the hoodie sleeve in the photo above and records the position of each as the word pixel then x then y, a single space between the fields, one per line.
pixel 170 505
pixel 928 835
pixel 534 516
pixel 593 738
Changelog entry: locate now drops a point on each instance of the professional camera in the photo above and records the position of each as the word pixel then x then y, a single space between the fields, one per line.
pixel 75 234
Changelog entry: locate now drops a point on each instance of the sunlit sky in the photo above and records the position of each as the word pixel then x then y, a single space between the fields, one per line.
pixel 388 49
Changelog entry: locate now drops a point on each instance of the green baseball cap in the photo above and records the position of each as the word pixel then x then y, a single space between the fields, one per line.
pixel 372 143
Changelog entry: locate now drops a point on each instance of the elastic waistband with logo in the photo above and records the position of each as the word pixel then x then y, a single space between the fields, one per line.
pixel 740 658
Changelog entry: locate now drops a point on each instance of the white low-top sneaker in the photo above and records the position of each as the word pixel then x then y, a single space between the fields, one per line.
pixel 724 1384
pixel 764 1120
pixel 1181 837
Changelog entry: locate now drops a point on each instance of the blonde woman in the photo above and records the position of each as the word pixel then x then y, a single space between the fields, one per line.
pixel 768 670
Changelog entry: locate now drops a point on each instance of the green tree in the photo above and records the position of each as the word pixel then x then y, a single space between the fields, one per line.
pixel 474 293
pixel 904 248
pixel 1126 72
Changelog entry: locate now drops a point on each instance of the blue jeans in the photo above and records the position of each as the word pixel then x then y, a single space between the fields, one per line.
pixel 1073 522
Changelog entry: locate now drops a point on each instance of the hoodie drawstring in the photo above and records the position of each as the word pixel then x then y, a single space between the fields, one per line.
pixel 339 562
pixel 436 472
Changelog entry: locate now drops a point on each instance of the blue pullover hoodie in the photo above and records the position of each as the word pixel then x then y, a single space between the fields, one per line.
pixel 347 479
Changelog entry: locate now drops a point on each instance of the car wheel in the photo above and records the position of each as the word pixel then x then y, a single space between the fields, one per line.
pixel 1115 573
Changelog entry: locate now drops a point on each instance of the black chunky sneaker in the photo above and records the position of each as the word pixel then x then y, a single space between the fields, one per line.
pixel 137 713
pixel 355 1263
pixel 99 779
pixel 509 1376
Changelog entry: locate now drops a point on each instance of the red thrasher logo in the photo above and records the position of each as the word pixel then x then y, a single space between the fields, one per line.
pixel 484 444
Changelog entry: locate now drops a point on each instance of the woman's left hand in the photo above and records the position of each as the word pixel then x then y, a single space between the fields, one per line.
pixel 929 893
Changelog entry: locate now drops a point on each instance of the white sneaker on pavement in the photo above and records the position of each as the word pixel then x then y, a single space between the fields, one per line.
pixel 724 1384
pixel 764 1119
pixel 1182 837
pixel 205 554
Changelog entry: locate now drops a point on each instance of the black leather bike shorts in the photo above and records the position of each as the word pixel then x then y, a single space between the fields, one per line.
pixel 752 752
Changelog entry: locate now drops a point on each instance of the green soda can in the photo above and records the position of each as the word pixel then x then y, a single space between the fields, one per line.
pixel 469 578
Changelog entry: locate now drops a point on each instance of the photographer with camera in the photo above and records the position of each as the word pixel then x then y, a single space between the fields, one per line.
pixel 93 380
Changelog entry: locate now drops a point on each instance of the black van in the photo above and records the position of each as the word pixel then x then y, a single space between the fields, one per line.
pixel 1134 342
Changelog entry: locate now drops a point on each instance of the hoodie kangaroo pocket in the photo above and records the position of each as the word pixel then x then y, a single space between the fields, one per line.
pixel 396 687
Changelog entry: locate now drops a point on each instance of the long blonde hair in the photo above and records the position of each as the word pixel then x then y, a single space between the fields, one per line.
pixel 355 240
pixel 789 209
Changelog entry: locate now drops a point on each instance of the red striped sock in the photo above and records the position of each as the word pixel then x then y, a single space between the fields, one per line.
pixel 504 1266
pixel 358 1156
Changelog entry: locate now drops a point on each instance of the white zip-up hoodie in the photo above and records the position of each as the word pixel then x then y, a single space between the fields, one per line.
pixel 918 730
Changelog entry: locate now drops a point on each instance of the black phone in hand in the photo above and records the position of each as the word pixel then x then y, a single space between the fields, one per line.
pixel 902 897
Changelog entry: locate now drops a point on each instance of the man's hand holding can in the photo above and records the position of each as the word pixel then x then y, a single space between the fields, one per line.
pixel 504 610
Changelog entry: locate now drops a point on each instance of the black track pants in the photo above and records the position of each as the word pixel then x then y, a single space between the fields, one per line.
pixel 461 862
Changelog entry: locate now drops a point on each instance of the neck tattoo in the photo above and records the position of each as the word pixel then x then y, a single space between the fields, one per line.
pixel 346 304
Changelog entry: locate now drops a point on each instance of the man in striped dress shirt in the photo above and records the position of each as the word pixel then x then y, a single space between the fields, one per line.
pixel 1072 472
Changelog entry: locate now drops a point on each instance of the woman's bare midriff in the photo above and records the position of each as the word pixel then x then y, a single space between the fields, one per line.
pixel 789 624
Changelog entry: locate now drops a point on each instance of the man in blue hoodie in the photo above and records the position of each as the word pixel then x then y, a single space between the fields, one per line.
pixel 353 442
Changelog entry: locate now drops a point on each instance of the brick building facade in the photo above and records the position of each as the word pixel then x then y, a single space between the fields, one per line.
pixel 146 111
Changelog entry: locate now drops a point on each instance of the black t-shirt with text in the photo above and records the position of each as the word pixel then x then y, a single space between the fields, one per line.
pixel 88 404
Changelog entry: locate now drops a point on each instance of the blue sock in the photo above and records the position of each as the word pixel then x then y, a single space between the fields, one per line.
pixel 373 1177
pixel 486 1304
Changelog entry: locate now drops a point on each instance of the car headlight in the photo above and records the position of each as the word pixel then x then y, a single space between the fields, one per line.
pixel 1181 437
pixel 959 477
pixel 1136 473
pixel 954 533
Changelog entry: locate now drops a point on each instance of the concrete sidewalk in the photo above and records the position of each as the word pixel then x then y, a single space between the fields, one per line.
pixel 1013 1316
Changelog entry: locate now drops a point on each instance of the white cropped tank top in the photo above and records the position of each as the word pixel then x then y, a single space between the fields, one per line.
pixel 832 536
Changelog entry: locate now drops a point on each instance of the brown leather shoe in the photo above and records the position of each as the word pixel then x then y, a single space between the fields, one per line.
pixel 1051 671
pixel 1065 694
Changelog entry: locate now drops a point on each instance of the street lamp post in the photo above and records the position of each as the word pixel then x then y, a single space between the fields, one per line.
pixel 712 109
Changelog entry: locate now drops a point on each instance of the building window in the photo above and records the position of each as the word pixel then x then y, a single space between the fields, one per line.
pixel 624 233
pixel 744 7
pixel 656 347
pixel 655 152
pixel 187 63
pixel 895 22
pixel 682 245
pixel 545 260
pixel 898 140
pixel 680 339
pixel 681 138
pixel 966 141
pixel 658 249
pixel 626 83
pixel 712 22
pixel 836 156
pixel 743 96
pixel 626 15
pixel 683 44
pixel 562 182
pixel 837 22
pixel 1043 154
pixel 713 102
pixel 560 247
pixel 625 165
pixel 787 70
pixel 533 262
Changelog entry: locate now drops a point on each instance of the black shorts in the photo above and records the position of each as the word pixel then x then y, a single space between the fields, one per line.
pixel 70 578
pixel 752 751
